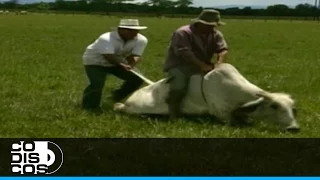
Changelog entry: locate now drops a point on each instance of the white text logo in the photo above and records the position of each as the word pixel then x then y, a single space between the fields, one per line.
pixel 36 157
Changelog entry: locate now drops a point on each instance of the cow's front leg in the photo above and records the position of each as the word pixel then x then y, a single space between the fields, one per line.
pixel 239 119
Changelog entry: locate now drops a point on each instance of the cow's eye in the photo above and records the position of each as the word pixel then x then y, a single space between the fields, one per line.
pixel 274 106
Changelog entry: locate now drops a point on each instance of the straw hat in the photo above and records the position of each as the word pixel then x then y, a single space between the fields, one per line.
pixel 131 24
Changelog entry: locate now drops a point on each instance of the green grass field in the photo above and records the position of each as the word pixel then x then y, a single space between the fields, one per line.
pixel 42 76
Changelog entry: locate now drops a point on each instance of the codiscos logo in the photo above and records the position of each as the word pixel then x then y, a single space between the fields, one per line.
pixel 36 157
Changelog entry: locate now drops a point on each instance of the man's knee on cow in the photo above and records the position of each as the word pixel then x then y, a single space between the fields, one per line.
pixel 178 85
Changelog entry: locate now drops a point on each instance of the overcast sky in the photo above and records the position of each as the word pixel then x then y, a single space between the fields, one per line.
pixel 224 2
pixel 248 2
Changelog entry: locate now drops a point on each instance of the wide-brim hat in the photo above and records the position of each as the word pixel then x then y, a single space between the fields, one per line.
pixel 131 24
pixel 209 17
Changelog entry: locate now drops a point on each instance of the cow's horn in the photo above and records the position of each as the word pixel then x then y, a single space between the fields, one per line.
pixel 264 95
pixel 253 103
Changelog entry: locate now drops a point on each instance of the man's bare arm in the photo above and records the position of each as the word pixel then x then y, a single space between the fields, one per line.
pixel 221 47
pixel 116 60
pixel 113 58
pixel 221 57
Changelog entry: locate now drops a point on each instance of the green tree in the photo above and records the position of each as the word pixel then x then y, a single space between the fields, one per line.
pixel 183 3
pixel 278 10
pixel 162 3
pixel 12 4
pixel 247 11
pixel 60 5
pixel 43 6
pixel 305 10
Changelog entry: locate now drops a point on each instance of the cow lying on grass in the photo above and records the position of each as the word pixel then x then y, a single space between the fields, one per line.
pixel 223 93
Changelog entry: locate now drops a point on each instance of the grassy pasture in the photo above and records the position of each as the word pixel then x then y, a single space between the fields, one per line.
pixel 42 76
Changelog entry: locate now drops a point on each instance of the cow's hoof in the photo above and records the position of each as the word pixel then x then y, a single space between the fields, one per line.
pixel 118 107
pixel 293 129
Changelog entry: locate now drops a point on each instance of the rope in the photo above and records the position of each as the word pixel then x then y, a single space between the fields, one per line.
pixel 202 92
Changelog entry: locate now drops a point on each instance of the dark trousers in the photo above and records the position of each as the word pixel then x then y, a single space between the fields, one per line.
pixel 97 76
pixel 178 88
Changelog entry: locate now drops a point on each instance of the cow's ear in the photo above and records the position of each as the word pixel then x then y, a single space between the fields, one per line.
pixel 248 107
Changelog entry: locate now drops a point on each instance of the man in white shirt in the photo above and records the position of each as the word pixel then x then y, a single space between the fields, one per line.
pixel 116 53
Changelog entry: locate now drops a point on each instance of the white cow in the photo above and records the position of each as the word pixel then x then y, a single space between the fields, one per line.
pixel 21 12
pixel 224 93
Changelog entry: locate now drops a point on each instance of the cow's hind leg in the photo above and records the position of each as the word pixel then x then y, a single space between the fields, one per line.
pixel 119 107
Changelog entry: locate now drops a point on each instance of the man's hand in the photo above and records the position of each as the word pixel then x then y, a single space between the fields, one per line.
pixel 133 60
pixel 205 68
pixel 125 66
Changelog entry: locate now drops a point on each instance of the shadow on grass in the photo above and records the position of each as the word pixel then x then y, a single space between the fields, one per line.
pixel 202 119
pixel 198 119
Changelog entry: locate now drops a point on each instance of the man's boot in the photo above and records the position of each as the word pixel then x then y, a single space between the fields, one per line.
pixel 174 110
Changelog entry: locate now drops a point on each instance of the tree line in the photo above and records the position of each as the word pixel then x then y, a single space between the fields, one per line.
pixel 159 8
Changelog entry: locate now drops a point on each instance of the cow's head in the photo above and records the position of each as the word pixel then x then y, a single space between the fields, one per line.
pixel 275 107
